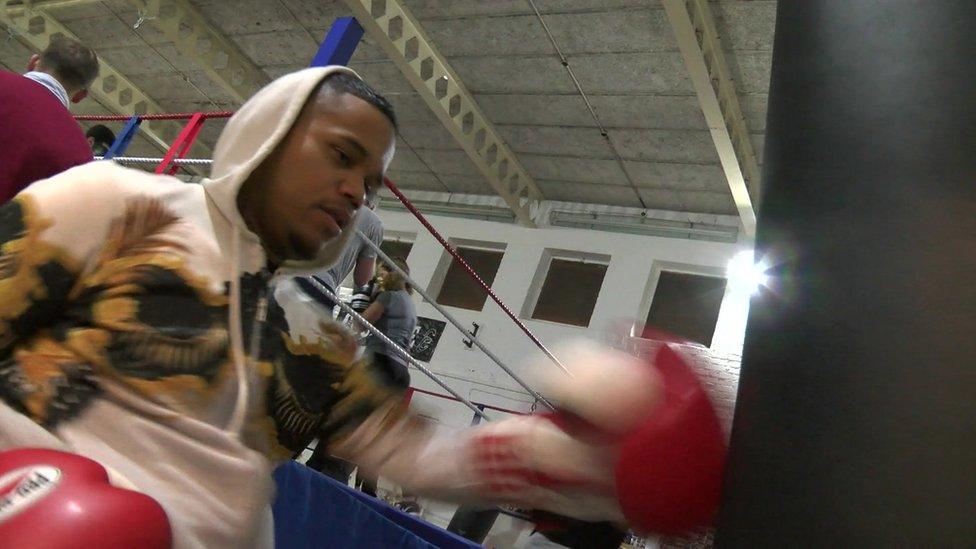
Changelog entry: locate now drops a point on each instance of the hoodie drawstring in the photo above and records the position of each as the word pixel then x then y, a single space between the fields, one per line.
pixel 243 363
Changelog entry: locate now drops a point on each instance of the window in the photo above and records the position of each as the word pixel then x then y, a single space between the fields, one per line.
pixel 570 285
pixel 396 248
pixel 687 305
pixel 457 288
pixel 566 287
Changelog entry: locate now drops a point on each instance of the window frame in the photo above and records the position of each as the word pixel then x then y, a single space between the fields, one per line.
pixel 657 267
pixel 446 260
pixel 542 273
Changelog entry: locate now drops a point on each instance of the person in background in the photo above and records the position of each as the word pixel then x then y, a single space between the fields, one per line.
pixel 38 136
pixel 100 139
pixel 394 314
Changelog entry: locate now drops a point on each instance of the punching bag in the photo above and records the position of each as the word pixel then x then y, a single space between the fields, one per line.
pixel 855 424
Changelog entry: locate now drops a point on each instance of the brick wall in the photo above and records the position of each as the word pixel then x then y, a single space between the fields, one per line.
pixel 719 372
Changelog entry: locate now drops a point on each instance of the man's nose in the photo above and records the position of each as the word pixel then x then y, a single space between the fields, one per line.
pixel 354 188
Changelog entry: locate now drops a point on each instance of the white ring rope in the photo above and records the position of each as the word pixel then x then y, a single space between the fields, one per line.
pixel 471 337
pixel 149 160
pixel 393 345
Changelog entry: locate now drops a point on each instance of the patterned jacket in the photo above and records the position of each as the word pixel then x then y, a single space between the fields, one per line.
pixel 136 328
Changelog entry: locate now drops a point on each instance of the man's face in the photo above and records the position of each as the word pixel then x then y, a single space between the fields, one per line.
pixel 307 191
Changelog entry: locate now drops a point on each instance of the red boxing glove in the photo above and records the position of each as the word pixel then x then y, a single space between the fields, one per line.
pixel 669 474
pixel 58 500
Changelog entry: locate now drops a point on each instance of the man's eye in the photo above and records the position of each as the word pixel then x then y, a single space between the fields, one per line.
pixel 344 159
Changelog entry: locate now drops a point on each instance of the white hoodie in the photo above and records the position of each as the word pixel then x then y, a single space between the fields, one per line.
pixel 126 300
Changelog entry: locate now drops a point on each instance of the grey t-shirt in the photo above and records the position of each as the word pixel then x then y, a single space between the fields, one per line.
pixel 372 227
pixel 397 322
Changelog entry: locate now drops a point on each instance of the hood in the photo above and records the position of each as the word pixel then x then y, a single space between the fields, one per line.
pixel 250 136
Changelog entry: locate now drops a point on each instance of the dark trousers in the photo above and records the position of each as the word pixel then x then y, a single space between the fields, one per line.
pixel 330 466
pixel 339 469
pixel 393 372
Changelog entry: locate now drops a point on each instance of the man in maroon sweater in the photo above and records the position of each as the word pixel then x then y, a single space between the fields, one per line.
pixel 38 136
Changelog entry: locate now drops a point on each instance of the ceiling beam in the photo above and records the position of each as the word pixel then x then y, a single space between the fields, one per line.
pixel 198 40
pixel 694 27
pixel 400 35
pixel 18 8
pixel 113 90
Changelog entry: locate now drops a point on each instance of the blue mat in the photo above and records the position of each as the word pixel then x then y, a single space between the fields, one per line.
pixel 312 510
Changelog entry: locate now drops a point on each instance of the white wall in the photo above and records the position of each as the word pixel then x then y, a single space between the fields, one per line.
pixel 625 296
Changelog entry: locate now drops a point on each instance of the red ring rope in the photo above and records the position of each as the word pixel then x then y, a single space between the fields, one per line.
pixel 457 257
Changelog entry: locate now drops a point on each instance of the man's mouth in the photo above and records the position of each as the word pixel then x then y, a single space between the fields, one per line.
pixel 341 218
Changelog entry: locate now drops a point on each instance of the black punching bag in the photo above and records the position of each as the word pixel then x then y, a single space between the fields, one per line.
pixel 855 424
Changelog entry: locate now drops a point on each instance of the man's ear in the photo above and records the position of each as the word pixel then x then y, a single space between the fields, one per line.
pixel 33 62
pixel 78 96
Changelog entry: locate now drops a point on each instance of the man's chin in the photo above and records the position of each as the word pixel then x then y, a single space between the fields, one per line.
pixel 302 250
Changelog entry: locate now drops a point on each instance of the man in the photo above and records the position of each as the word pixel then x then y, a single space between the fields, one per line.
pixel 143 337
pixel 100 139
pixel 133 335
pixel 38 136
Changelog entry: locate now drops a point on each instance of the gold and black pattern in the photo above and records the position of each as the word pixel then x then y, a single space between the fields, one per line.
pixel 362 390
pixel 42 381
pixel 35 277
pixel 139 316
pixel 165 325
pixel 161 327
pixel 295 425
pixel 318 389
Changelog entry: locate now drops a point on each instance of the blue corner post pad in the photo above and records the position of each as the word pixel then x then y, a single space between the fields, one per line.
pixel 339 43
pixel 122 141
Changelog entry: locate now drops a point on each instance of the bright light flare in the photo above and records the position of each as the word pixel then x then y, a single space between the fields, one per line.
pixel 745 274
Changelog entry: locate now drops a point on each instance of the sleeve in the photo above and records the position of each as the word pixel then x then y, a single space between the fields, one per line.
pixel 527 462
pixel 319 387
pixel 36 275
pixel 385 299
pixel 47 233
pixel 374 231
pixel 553 462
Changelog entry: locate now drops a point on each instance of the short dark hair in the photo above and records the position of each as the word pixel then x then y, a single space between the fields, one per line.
pixel 343 82
pixel 101 134
pixel 72 63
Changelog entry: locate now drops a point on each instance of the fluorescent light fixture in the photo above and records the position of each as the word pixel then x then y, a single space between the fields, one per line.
pixel 634 224
pixel 466 211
